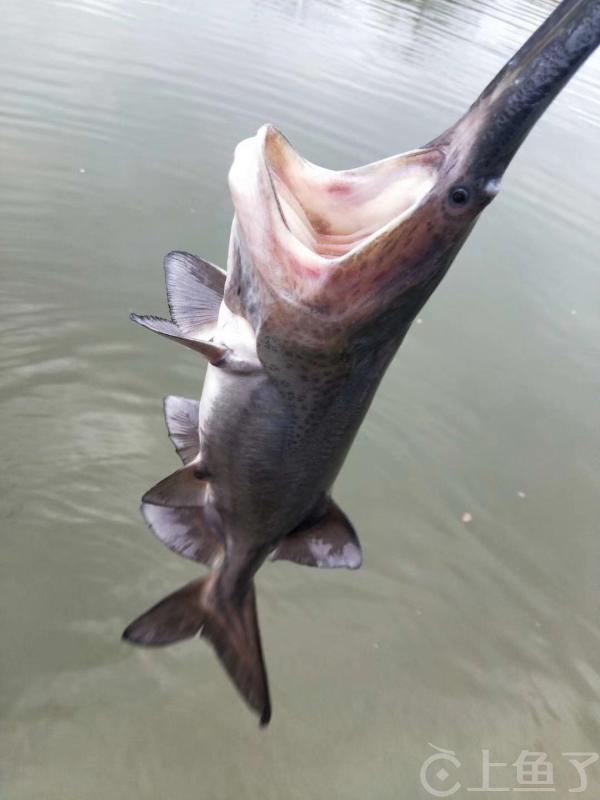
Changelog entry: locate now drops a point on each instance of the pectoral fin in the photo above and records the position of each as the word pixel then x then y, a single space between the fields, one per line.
pixel 181 416
pixel 184 488
pixel 215 353
pixel 328 542
pixel 194 291
pixel 185 531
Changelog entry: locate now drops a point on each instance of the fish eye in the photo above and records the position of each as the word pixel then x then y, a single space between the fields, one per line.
pixel 459 196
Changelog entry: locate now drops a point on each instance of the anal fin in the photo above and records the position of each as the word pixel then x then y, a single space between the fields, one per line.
pixel 328 541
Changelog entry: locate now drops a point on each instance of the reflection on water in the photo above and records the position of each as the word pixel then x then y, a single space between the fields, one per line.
pixel 118 126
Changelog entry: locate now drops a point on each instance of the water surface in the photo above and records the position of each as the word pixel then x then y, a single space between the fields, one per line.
pixel 118 122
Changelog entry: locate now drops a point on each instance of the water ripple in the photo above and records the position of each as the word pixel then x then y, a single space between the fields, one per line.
pixel 118 126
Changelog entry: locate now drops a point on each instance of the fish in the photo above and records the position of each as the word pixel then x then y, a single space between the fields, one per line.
pixel 326 271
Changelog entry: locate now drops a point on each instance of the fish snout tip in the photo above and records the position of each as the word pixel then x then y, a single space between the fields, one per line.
pixel 492 187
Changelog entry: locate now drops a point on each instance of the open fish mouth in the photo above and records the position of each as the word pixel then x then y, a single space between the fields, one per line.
pixel 333 213
pixel 325 241
pixel 304 220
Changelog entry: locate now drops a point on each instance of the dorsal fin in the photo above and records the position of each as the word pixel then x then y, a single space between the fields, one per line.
pixel 184 488
pixel 328 541
pixel 215 353
pixel 184 531
pixel 194 291
pixel 181 416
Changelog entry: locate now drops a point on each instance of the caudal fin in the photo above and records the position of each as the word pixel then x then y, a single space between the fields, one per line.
pixel 176 617
pixel 230 625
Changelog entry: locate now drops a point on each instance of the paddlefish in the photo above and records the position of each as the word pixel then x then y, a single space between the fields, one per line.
pixel 326 271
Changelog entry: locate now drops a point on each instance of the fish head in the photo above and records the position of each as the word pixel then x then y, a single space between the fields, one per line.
pixel 325 256
pixel 320 253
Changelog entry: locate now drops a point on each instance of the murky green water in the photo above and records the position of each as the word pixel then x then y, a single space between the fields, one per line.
pixel 117 126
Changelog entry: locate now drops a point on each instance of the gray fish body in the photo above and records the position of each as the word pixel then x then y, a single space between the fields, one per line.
pixel 273 442
pixel 288 433
pixel 326 272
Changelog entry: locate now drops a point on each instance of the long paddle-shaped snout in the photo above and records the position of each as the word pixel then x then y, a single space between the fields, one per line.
pixel 483 142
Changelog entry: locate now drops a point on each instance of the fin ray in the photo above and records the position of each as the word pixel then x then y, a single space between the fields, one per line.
pixel 194 291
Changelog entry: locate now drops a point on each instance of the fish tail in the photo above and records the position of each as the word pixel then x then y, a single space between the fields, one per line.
pixel 229 623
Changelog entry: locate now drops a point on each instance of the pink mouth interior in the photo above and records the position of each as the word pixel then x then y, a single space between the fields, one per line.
pixel 331 212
